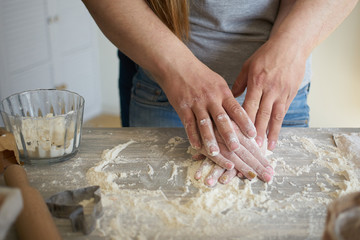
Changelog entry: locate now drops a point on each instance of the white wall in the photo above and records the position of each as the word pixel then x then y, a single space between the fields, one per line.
pixel 109 74
pixel 335 90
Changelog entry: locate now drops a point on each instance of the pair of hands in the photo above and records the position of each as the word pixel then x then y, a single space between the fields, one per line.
pixel 219 128
pixel 200 96
pixel 246 162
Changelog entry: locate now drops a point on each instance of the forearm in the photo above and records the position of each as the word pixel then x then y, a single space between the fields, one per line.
pixel 134 29
pixel 198 94
pixel 284 9
pixel 306 23
pixel 275 71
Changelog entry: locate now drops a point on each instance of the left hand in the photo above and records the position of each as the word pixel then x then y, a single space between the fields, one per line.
pixel 249 161
pixel 217 173
pixel 272 76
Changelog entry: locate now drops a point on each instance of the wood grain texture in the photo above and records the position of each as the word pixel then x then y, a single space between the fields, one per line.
pixel 152 146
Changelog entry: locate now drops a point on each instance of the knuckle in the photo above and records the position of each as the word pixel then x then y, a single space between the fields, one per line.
pixel 230 137
pixel 259 79
pixel 189 122
pixel 184 104
pixel 222 117
pixel 209 141
pixel 279 112
pixel 226 92
pixel 252 104
pixel 200 98
pixel 278 117
pixel 205 122
pixel 264 113
pixel 233 107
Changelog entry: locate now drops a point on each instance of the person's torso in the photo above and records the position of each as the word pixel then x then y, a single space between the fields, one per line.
pixel 224 34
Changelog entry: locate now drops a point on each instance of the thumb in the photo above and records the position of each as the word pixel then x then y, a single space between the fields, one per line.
pixel 240 85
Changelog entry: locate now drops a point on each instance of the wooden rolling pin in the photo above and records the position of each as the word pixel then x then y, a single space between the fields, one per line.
pixel 35 220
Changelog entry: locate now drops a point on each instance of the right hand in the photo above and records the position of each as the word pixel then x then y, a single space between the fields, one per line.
pixel 249 162
pixel 199 95
pixel 202 100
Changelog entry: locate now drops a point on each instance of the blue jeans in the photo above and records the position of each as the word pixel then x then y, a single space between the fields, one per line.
pixel 127 70
pixel 149 106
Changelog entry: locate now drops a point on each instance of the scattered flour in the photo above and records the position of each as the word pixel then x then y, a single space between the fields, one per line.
pixel 240 208
pixel 106 179
pixel 338 162
pixel 349 144
pixel 151 171
pixel 174 172
pixel 123 175
pixel 173 142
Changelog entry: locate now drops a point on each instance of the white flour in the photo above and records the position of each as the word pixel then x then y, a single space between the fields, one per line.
pixel 45 137
pixel 151 171
pixel 350 145
pixel 241 208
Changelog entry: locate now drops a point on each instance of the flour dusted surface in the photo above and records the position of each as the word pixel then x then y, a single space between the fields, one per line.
pixel 158 197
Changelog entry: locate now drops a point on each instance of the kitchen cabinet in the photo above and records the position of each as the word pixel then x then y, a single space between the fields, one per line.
pixel 49 44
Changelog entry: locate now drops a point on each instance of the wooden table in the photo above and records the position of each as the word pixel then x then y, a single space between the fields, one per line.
pixel 152 147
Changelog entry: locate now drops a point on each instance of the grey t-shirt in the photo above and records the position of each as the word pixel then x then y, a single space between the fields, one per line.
pixel 224 34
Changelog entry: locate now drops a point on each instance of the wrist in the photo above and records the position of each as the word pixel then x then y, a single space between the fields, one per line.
pixel 172 66
pixel 292 44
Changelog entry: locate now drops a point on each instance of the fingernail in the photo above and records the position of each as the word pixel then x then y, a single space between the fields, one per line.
pixel 251 133
pixel 210 182
pixel 272 145
pixel 270 170
pixel 259 141
pixel 252 175
pixel 266 177
pixel 197 175
pixel 229 165
pixel 224 178
pixel 214 150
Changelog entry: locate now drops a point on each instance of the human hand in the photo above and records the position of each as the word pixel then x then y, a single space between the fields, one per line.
pixel 249 161
pixel 272 76
pixel 216 174
pixel 203 100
